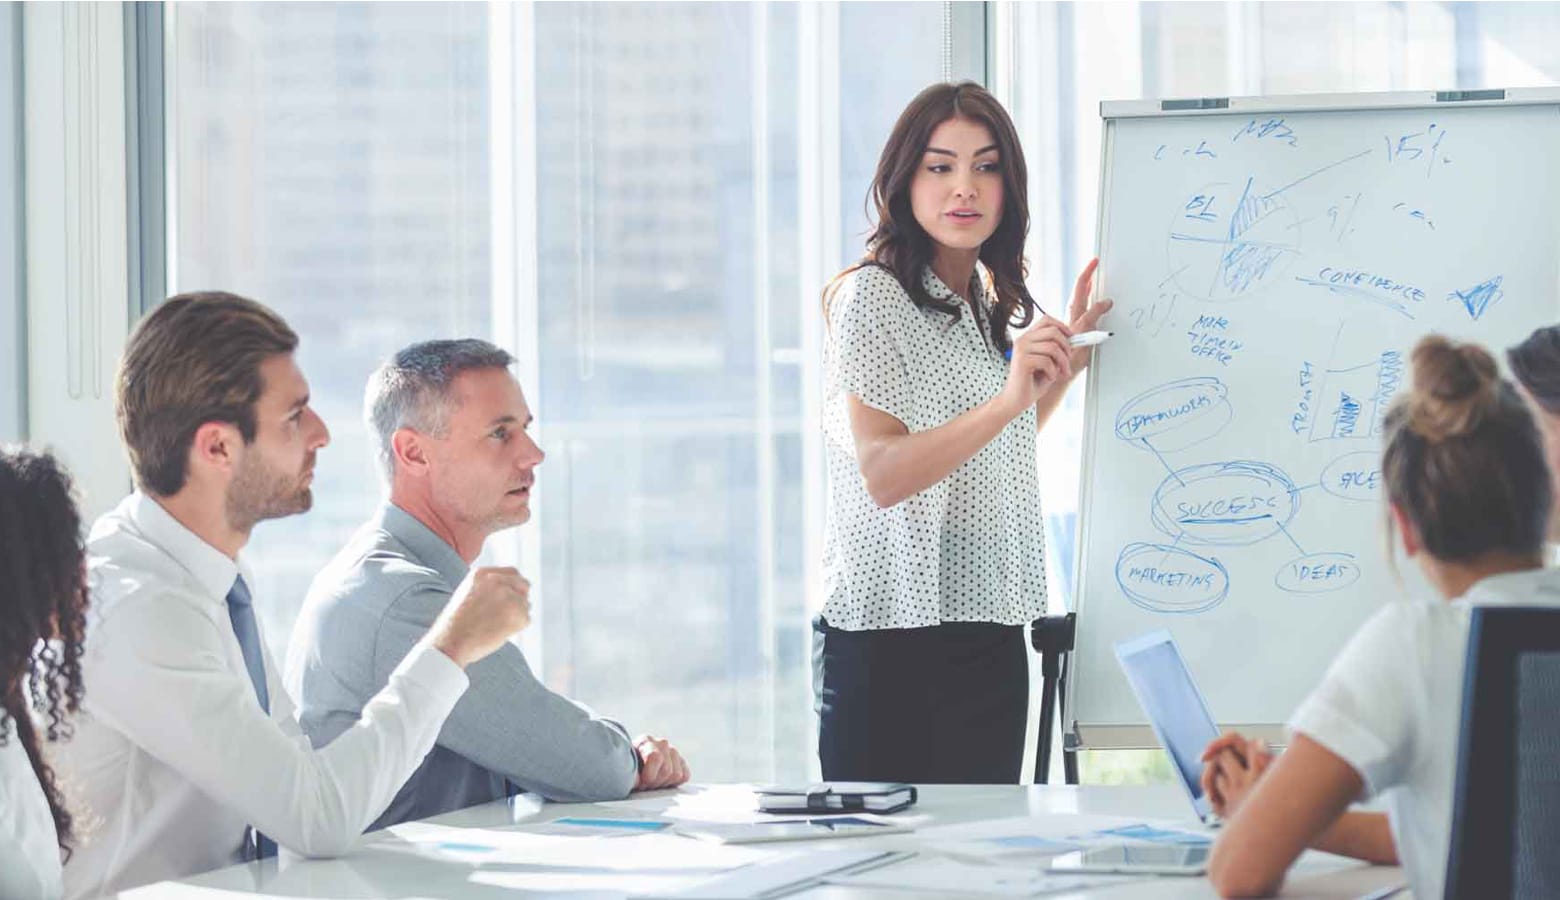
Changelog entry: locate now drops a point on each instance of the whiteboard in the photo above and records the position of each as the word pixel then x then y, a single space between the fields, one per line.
pixel 1273 264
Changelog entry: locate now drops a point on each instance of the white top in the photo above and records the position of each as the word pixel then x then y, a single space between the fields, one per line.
pixel 1391 707
pixel 172 752
pixel 29 846
pixel 967 549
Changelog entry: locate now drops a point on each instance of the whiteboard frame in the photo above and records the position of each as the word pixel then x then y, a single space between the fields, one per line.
pixel 1078 735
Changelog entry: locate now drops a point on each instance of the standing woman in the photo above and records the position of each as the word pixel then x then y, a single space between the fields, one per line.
pixel 934 555
pixel 43 601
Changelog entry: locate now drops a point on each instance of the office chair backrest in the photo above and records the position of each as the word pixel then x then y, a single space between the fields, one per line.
pixel 1506 811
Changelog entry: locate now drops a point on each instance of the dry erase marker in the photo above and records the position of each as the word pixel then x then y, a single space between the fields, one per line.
pixel 1082 339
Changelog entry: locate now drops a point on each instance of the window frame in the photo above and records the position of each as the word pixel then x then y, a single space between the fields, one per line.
pixel 13 247
pixel 76 230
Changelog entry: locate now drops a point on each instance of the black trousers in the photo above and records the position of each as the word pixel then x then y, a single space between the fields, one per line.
pixel 947 704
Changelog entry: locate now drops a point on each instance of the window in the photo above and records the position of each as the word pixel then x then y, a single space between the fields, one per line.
pixel 330 160
pixel 336 162
pixel 671 318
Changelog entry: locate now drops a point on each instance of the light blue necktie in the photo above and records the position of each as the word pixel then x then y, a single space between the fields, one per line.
pixel 241 612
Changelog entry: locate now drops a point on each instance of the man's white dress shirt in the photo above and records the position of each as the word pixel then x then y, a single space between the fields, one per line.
pixel 172 754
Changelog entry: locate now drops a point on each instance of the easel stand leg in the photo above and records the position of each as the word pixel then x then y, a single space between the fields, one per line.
pixel 1052 638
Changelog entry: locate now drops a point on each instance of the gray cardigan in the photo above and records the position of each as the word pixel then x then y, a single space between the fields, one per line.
pixel 366 610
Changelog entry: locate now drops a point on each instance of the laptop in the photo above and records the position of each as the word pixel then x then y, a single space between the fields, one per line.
pixel 1174 707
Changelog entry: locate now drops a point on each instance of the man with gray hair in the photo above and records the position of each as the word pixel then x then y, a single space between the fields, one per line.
pixel 449 421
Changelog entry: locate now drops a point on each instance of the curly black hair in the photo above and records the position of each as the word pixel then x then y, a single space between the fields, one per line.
pixel 43 604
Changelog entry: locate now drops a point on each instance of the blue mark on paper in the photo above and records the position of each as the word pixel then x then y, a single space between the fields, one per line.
pixel 1247 261
pixel 1230 237
pixel 1379 289
pixel 464 848
pixel 1209 340
pixel 1201 149
pixel 1318 573
pixel 1354 476
pixel 1413 213
pixel 1304 178
pixel 631 824
pixel 1157 835
pixel 1344 393
pixel 1174 416
pixel 1274 128
pixel 1479 298
pixel 1200 207
pixel 1228 503
pixel 1347 226
pixel 1163 578
pixel 1418 145
pixel 1302 417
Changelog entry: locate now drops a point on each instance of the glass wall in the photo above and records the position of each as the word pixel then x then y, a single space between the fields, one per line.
pixel 334 161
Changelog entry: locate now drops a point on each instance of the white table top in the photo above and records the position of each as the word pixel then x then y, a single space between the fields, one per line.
pixel 381 867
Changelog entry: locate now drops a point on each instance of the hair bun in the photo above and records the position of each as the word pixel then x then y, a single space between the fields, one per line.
pixel 1455 386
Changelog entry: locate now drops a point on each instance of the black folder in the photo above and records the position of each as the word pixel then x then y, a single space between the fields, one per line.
pixel 837 797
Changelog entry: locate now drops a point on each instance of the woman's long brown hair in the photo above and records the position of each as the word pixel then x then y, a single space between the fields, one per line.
pixel 43 603
pixel 899 244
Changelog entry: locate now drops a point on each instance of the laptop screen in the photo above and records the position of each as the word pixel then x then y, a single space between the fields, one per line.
pixel 1173 705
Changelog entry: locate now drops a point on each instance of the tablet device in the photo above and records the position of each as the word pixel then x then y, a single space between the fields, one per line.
pixel 799 830
pixel 1175 709
pixel 1135 859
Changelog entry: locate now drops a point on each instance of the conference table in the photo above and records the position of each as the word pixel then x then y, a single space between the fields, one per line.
pixel 444 856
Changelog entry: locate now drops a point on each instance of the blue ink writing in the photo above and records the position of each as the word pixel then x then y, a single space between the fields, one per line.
pixel 1201 207
pixel 1411 147
pixel 1138 422
pixel 1389 376
pixel 1302 417
pixel 1163 578
pixel 1479 298
pixel 1274 128
pixel 1415 214
pixel 1346 417
pixel 1377 288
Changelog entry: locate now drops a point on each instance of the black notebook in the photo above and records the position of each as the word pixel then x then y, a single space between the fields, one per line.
pixel 837 796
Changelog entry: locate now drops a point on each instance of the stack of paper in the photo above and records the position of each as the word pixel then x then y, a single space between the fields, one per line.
pixel 950 877
pixel 1030 839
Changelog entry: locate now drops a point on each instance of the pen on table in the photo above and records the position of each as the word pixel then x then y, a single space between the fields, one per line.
pixel 1081 339
pixel 1385 892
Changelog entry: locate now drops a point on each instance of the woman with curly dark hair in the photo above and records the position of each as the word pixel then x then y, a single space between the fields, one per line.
pixel 43 601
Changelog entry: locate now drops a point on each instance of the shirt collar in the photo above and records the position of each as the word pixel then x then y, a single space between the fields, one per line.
pixel 419 539
pixel 939 291
pixel 212 569
pixel 1527 587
